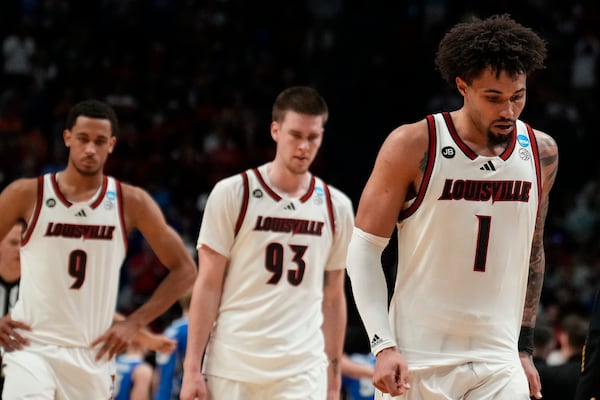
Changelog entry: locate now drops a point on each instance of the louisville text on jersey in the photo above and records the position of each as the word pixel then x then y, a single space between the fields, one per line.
pixel 478 190
pixel 289 225
pixel 80 231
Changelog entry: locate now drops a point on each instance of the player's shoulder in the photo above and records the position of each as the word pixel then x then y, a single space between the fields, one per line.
pixel 23 188
pixel 411 131
pixel 338 197
pixel 408 138
pixel 233 185
pixel 133 193
pixel 546 143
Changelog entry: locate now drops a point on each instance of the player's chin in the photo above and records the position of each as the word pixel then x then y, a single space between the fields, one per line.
pixel 500 137
pixel 301 165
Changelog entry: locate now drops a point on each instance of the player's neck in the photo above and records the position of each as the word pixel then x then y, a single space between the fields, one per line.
pixel 477 140
pixel 78 187
pixel 287 182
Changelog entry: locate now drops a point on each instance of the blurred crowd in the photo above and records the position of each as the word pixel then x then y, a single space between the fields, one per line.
pixel 193 83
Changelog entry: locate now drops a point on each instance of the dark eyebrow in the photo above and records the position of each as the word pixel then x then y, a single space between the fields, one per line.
pixel 494 91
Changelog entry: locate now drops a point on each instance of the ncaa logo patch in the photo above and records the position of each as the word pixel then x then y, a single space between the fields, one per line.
pixel 111 195
pixel 320 194
pixel 448 152
pixel 523 140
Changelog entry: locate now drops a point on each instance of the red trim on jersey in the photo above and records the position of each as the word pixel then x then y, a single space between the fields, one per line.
pixel 310 190
pixel 263 183
pixel 467 150
pixel 244 207
pixel 459 142
pixel 36 211
pixel 329 207
pixel 98 200
pixel 121 206
pixel 511 146
pixel 536 158
pixel 431 155
pixel 59 194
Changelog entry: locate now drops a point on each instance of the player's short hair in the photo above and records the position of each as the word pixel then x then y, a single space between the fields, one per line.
pixel 497 42
pixel 301 99
pixel 93 109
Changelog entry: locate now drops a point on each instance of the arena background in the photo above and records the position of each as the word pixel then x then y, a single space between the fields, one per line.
pixel 193 83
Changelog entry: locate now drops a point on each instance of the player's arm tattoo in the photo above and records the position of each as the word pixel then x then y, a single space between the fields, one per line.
pixel 335 366
pixel 549 164
pixel 423 162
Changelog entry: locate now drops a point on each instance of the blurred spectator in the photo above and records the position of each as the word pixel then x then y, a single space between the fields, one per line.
pixel 544 343
pixel 560 381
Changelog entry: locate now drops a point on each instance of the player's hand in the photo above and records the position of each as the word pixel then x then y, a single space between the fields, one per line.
pixel 535 385
pixel 9 337
pixel 164 345
pixel 115 340
pixel 193 386
pixel 391 372
pixel 156 342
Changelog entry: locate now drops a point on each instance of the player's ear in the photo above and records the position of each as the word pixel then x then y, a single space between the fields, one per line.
pixel 275 130
pixel 112 144
pixel 461 85
pixel 67 137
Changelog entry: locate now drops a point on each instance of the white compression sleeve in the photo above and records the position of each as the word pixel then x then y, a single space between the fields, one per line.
pixel 369 287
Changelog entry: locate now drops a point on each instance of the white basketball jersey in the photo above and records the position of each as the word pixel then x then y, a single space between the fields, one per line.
pixel 269 321
pixel 70 260
pixel 464 245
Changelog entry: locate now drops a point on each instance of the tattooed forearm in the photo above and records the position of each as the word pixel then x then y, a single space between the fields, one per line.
pixel 548 151
pixel 535 281
pixel 537 262
pixel 335 366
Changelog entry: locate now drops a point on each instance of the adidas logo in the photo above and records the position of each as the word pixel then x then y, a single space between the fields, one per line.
pixel 488 166
pixel 290 206
pixel 376 340
pixel 81 213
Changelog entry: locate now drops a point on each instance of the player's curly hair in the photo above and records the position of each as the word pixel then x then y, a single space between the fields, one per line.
pixel 497 42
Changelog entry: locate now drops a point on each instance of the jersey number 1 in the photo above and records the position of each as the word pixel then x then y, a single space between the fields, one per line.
pixel 483 239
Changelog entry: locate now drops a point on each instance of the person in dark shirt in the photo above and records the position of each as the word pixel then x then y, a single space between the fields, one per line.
pixel 543 344
pixel 588 387
pixel 560 381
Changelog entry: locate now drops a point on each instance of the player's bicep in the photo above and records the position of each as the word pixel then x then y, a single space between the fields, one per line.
pixel 211 267
pixel 17 202
pixel 333 285
pixel 394 172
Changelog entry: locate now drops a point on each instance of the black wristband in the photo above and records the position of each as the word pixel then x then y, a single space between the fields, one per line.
pixel 526 340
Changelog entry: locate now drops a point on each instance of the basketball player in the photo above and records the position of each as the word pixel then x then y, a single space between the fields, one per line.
pixel 169 365
pixel 133 380
pixel 468 190
pixel 269 298
pixel 77 222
